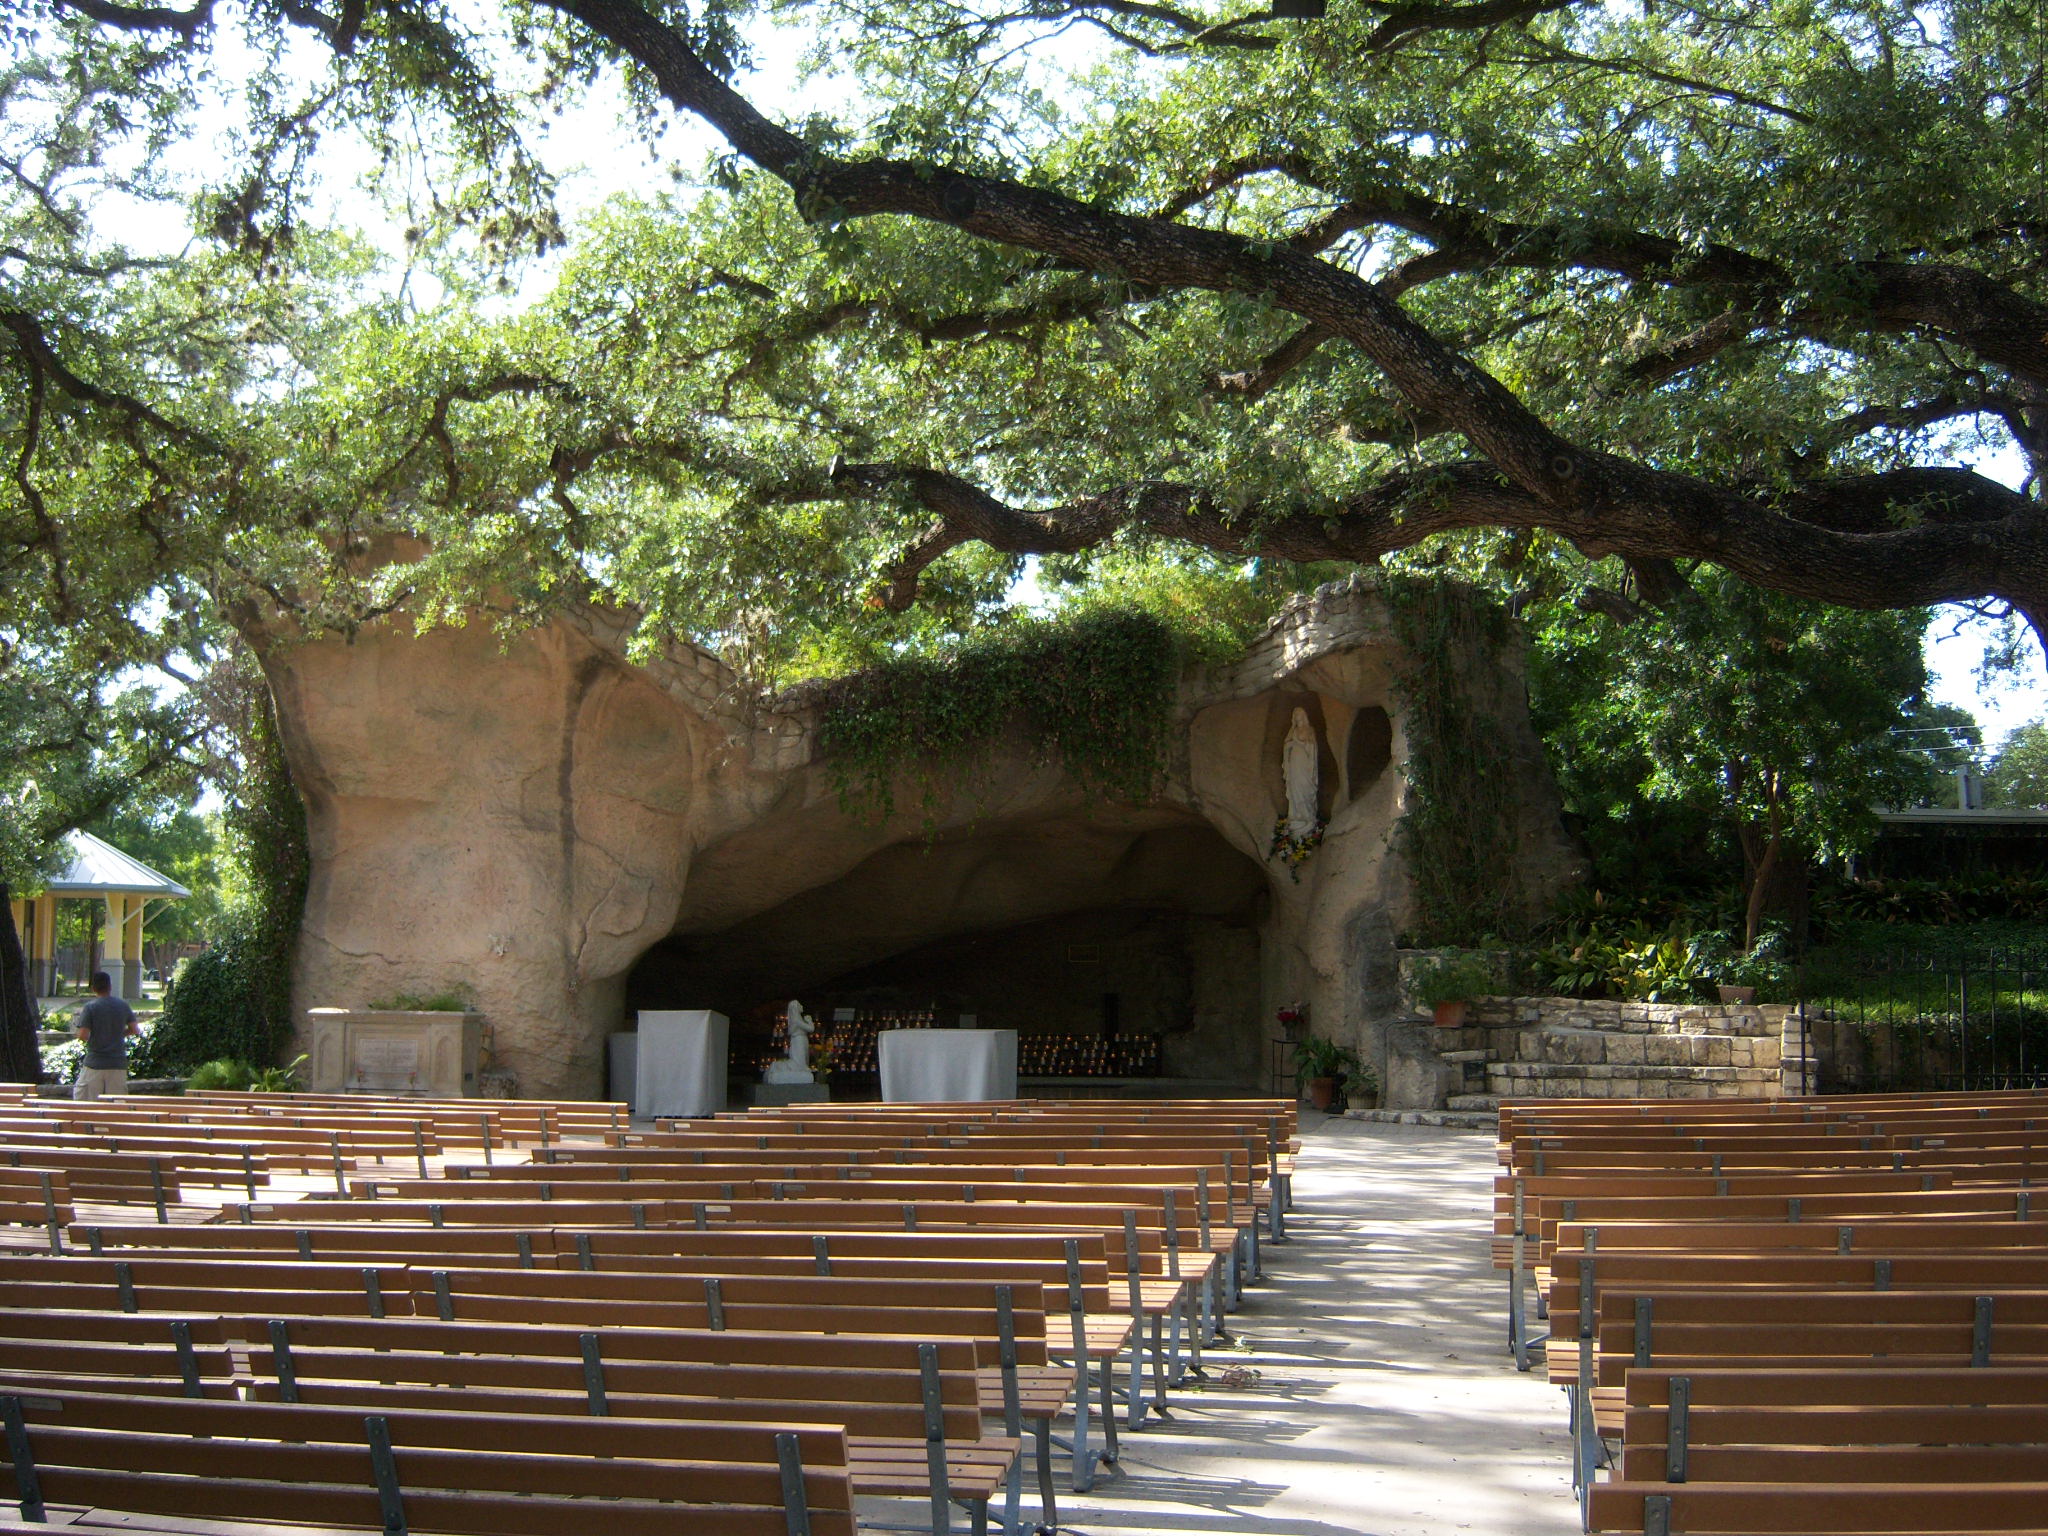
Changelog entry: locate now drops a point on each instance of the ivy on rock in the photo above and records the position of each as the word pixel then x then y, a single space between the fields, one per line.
pixel 1093 691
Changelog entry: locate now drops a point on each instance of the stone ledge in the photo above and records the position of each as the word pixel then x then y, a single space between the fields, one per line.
pixel 1674 1072
pixel 1445 1119
pixel 1493 1014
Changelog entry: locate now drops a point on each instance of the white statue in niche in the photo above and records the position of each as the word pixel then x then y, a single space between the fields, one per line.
pixel 796 1066
pixel 1299 767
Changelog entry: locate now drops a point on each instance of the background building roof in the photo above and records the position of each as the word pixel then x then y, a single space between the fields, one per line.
pixel 98 868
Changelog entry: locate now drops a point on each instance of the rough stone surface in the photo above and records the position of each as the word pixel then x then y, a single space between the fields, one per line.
pixel 528 817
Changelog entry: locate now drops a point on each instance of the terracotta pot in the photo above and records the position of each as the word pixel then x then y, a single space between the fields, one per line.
pixel 1321 1090
pixel 1737 994
pixel 1451 1015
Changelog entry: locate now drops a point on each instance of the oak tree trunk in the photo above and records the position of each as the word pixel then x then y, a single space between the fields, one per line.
pixel 21 1057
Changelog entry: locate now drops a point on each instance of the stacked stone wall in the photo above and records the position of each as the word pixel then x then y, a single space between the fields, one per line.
pixel 1556 1047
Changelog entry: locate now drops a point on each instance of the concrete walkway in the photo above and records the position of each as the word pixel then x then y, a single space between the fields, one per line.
pixel 1385 1401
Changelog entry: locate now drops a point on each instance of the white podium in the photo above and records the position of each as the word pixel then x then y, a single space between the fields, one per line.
pixel 680 1066
pixel 947 1066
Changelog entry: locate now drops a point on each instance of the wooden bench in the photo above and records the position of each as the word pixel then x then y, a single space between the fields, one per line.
pixel 37 1197
pixel 1819 1509
pixel 1005 1321
pixel 1734 1250
pixel 402 1470
pixel 1797 1425
pixel 149 1284
pixel 658 1373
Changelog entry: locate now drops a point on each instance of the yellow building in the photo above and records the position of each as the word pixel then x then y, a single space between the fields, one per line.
pixel 124 887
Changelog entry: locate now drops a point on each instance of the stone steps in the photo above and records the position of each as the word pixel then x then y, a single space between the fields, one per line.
pixel 1473 1103
pixel 1602 1080
pixel 1456 1120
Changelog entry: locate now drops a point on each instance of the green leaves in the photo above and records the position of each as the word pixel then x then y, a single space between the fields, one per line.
pixel 1691 741
pixel 1094 693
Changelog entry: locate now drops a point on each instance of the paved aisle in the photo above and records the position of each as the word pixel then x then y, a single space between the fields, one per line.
pixel 1385 1401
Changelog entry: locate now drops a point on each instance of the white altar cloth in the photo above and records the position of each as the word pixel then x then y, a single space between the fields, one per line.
pixel 680 1067
pixel 947 1066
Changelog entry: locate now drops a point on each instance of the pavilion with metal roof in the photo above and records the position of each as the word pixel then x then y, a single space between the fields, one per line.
pixel 95 870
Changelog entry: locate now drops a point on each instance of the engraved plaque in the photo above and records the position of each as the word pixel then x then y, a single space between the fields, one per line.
pixel 388 1063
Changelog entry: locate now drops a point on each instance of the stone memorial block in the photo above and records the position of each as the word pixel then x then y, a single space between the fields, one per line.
pixel 401 1051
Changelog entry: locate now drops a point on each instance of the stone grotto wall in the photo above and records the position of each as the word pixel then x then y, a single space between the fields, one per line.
pixel 527 818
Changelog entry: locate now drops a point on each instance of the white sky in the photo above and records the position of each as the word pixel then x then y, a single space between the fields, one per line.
pixel 1952 658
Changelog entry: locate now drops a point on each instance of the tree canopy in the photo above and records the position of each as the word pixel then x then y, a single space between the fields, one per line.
pixel 2018 775
pixel 1749 720
pixel 1610 292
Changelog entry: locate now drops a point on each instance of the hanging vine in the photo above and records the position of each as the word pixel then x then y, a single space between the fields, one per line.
pixel 235 1000
pixel 1459 834
pixel 1094 691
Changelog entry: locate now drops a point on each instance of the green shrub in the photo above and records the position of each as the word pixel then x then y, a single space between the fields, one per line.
pixel 1317 1057
pixel 453 1000
pixel 1640 962
pixel 62 1060
pixel 283 1079
pixel 1453 980
pixel 224 1004
pixel 226 1073
pixel 1957 899
pixel 235 1000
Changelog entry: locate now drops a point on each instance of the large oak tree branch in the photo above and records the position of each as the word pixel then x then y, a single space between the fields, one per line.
pixel 1604 503
pixel 1870 541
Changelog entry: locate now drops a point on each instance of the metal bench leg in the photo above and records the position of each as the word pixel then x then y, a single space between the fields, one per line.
pixel 1083 1455
pixel 1159 1363
pixel 1107 1382
pixel 1048 1505
pixel 1182 1349
pixel 1134 1404
pixel 1013 1497
pixel 1518 1316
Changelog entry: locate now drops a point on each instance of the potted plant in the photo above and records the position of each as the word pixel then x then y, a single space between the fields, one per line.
pixel 1447 985
pixel 1362 1088
pixel 1739 975
pixel 1320 1063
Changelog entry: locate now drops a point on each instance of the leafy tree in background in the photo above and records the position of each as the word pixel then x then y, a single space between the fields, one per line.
pixel 70 749
pixel 1944 739
pixel 175 840
pixel 1743 723
pixel 2018 775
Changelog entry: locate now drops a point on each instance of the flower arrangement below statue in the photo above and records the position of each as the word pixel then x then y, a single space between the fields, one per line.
pixel 1293 848
pixel 822 1054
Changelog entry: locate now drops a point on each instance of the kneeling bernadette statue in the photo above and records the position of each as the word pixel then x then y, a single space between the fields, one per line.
pixel 796 1066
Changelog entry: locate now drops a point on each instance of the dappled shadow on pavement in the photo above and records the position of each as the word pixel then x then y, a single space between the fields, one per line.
pixel 1384 1400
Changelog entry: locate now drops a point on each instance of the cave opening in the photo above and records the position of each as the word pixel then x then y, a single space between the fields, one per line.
pixel 1122 953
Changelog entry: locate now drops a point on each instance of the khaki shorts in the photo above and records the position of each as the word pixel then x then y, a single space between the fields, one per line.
pixel 94 1081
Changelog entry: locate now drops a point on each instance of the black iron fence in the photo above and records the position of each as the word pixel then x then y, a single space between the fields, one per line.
pixel 1919 1020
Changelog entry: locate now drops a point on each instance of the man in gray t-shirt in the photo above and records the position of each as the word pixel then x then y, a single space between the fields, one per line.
pixel 105 1025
